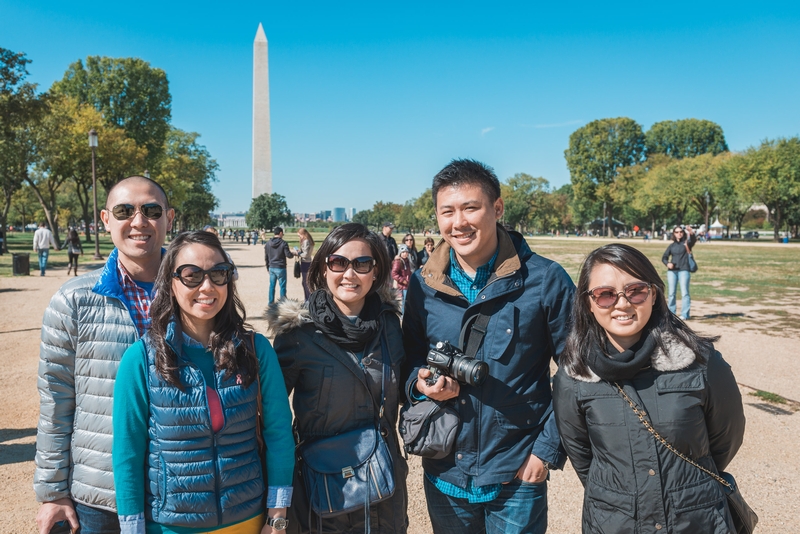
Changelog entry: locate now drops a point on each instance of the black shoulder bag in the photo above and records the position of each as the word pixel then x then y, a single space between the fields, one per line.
pixel 351 470
pixel 744 518
pixel 429 428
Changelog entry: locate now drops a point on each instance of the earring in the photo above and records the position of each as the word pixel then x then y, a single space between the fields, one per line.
pixel 374 277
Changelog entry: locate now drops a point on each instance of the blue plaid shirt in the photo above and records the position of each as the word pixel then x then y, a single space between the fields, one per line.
pixel 471 288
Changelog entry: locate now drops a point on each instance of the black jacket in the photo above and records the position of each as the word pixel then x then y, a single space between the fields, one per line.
pixel 331 397
pixel 633 483
pixel 391 245
pixel 275 253
pixel 680 258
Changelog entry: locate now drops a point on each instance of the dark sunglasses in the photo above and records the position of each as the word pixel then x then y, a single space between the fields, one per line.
pixel 678 232
pixel 408 239
pixel 122 212
pixel 605 297
pixel 192 275
pixel 339 264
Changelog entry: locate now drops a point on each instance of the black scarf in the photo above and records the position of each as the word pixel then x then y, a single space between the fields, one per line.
pixel 337 326
pixel 614 366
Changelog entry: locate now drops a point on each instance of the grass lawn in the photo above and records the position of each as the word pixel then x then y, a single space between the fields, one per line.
pixel 20 242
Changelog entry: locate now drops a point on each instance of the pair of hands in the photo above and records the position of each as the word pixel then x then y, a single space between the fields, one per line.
pixel 532 470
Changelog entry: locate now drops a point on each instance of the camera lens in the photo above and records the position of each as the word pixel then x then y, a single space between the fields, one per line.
pixel 470 371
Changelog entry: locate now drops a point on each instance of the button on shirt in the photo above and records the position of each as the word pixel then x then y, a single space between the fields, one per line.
pixel 470 288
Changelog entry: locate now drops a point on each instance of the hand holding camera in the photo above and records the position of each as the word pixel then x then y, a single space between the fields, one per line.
pixel 448 367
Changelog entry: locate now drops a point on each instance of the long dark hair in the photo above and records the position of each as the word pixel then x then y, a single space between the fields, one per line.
pixel 336 240
pixel 74 238
pixel 585 333
pixel 230 342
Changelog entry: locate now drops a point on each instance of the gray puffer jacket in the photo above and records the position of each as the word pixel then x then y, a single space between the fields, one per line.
pixel 632 483
pixel 85 330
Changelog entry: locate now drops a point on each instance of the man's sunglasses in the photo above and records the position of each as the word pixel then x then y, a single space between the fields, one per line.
pixel 339 264
pixel 122 212
pixel 192 275
pixel 606 297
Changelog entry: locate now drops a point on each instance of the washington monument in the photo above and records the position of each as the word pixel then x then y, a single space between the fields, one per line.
pixel 262 154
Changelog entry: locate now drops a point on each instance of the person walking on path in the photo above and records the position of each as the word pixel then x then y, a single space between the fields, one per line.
pixel 74 249
pixel 186 432
pixel 625 350
pixel 676 258
pixel 401 272
pixel 341 355
pixel 388 240
pixel 88 325
pixel 276 250
pixel 306 254
pixel 495 478
pixel 42 241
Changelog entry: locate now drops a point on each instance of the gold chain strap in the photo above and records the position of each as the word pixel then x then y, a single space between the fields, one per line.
pixel 643 418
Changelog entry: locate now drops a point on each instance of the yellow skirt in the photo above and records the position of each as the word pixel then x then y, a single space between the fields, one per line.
pixel 251 526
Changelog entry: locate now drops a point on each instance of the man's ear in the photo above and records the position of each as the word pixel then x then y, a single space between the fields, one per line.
pixel 170 218
pixel 104 217
pixel 499 208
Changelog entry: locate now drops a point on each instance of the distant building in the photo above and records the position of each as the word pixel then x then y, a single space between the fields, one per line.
pixel 231 220
pixel 339 215
pixel 351 212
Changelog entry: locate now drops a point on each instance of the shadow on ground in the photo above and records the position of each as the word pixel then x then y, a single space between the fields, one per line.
pixel 13 453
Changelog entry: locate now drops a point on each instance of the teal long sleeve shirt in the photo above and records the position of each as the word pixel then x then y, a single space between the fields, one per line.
pixel 131 413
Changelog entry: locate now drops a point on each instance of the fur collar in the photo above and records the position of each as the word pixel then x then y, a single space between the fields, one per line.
pixel 289 314
pixel 677 357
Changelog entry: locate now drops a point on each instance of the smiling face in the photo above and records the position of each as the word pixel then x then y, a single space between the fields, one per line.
pixel 138 239
pixel 467 220
pixel 199 305
pixel 623 322
pixel 349 289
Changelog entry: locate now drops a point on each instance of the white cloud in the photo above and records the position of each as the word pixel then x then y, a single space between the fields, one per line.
pixel 484 131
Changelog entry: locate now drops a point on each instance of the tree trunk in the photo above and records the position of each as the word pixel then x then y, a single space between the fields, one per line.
pixel 83 194
pixel 50 209
pixel 777 224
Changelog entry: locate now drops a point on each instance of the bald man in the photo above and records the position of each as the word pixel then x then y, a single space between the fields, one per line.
pixel 86 328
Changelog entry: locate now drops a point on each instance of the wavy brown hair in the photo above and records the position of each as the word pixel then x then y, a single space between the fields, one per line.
pixel 230 341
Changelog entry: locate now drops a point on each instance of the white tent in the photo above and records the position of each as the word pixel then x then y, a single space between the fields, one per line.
pixel 716 230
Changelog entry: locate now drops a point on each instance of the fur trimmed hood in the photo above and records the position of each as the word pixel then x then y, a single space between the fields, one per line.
pixel 677 357
pixel 288 314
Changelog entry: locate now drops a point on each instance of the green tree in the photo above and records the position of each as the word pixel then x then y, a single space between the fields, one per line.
pixel 268 211
pixel 524 196
pixel 20 111
pixel 129 93
pixel 596 153
pixel 733 204
pixel 685 138
pixel 772 177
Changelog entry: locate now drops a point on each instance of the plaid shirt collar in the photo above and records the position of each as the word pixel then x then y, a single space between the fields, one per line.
pixel 471 287
pixel 137 298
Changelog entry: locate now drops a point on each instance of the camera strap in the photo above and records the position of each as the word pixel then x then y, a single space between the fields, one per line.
pixel 474 329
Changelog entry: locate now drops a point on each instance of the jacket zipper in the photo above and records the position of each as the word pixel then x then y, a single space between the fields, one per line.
pixel 217 496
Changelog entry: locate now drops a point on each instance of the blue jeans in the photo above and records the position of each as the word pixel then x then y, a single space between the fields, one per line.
pixel 673 279
pixel 521 508
pixel 277 275
pixel 43 254
pixel 92 521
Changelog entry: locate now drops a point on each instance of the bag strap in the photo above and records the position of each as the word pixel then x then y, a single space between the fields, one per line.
pixel 474 330
pixel 688 250
pixel 643 416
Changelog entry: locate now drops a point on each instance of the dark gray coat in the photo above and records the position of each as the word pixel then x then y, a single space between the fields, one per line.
pixel 331 397
pixel 634 484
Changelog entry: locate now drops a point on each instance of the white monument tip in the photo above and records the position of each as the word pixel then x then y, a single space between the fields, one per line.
pixel 260 35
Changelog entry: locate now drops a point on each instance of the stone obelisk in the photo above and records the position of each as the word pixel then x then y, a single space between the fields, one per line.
pixel 262 154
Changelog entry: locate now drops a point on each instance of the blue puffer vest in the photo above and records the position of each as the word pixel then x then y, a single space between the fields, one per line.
pixel 197 478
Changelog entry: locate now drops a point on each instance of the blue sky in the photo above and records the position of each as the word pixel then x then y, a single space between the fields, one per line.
pixel 369 100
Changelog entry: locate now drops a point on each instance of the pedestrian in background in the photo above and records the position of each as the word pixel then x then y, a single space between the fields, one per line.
pixel 401 273
pixel 676 258
pixel 426 251
pixel 42 241
pixel 625 350
pixel 413 254
pixel 306 254
pixel 276 250
pixel 74 249
pixel 388 240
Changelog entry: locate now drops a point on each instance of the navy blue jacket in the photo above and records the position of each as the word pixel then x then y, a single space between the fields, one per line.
pixel 510 415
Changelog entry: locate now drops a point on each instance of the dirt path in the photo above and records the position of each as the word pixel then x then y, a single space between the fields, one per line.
pixel 767 467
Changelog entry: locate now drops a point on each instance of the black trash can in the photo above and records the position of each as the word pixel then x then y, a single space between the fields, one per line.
pixel 21 264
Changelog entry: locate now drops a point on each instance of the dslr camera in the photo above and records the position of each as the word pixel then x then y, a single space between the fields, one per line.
pixel 445 359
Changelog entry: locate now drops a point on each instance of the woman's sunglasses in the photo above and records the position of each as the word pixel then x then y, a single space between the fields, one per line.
pixel 606 297
pixel 192 275
pixel 339 264
pixel 122 212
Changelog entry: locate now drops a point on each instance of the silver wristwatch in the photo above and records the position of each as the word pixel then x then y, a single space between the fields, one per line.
pixel 278 523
